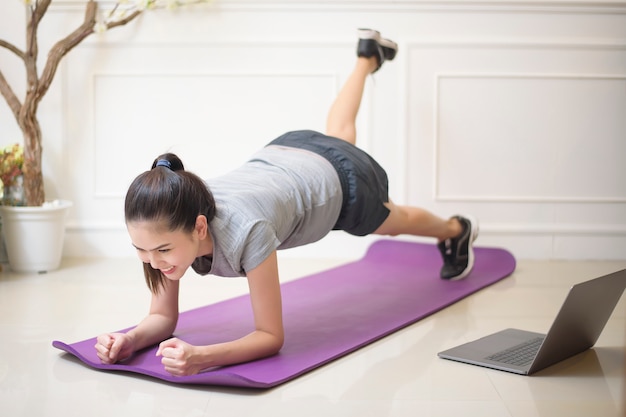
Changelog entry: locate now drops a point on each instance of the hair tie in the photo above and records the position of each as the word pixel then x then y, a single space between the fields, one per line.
pixel 163 163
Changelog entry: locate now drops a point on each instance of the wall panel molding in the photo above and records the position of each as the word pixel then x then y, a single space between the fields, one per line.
pixel 403 6
pixel 416 45
pixel 300 84
pixel 439 196
pixel 268 78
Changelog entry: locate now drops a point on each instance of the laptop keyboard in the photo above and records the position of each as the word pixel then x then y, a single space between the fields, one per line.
pixel 519 355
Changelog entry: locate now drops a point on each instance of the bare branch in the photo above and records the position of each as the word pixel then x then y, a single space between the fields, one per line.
pixel 37 13
pixel 123 21
pixel 17 51
pixel 9 96
pixel 40 10
pixel 62 47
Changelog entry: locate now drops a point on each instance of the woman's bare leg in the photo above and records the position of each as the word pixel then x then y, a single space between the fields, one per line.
pixel 341 121
pixel 455 236
pixel 418 222
pixel 341 124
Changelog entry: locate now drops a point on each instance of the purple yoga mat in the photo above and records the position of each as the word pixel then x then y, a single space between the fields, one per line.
pixel 326 315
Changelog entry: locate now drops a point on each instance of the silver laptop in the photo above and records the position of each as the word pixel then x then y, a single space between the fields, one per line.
pixel 576 328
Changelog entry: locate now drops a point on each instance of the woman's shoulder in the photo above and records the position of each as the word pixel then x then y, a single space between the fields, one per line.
pixel 239 247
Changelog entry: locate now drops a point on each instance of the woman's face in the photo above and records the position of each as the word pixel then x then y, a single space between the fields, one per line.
pixel 170 252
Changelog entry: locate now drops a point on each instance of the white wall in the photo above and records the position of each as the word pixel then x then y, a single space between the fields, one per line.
pixel 512 111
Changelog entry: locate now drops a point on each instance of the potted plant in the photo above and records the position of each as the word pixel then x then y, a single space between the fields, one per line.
pixel 21 223
pixel 24 108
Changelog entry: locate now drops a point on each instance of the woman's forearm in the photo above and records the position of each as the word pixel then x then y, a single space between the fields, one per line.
pixel 152 330
pixel 256 345
pixel 181 358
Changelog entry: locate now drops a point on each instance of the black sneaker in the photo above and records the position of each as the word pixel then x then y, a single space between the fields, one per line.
pixel 371 44
pixel 457 252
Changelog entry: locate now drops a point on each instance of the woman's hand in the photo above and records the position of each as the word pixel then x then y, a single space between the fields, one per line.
pixel 155 327
pixel 180 358
pixel 114 347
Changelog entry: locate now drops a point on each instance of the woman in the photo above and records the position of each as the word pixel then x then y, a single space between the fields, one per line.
pixel 290 193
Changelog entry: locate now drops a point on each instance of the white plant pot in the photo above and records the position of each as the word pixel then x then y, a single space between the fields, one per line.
pixel 34 236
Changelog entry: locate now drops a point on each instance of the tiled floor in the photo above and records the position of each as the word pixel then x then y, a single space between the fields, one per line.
pixel 400 375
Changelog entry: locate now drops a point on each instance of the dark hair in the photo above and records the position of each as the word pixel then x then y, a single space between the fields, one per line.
pixel 170 195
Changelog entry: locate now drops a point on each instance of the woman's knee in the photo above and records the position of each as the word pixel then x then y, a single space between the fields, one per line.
pixel 392 226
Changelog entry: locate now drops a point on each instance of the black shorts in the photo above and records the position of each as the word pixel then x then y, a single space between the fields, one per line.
pixel 363 181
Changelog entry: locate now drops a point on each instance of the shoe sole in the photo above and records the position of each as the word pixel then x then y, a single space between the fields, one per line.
pixel 390 48
pixel 470 252
pixel 369 34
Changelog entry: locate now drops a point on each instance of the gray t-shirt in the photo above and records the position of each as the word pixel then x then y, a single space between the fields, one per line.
pixel 281 198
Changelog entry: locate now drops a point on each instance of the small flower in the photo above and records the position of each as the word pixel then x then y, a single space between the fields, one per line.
pixel 119 15
pixel 100 27
pixel 143 4
pixel 11 164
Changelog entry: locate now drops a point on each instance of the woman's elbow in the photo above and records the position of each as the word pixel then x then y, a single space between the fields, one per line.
pixel 275 345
